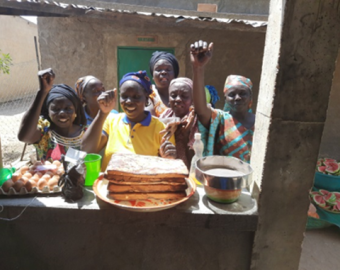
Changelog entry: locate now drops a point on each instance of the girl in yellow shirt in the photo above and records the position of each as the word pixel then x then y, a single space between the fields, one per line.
pixel 135 130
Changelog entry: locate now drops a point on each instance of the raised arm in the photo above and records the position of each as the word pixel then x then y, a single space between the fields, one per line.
pixel 200 55
pixel 28 131
pixel 94 140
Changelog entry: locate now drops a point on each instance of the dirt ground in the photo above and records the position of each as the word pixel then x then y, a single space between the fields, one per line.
pixel 10 117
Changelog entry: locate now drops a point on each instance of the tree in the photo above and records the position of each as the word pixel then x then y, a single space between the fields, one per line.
pixel 5 62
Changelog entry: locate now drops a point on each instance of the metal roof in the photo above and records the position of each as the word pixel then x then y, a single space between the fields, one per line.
pixel 78 7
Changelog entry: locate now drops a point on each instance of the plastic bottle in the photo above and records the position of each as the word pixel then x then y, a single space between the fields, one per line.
pixel 198 148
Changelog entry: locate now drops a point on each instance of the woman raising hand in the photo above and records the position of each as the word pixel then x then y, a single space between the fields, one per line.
pixel 223 133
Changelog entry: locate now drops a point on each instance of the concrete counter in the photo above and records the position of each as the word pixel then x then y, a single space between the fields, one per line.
pixel 92 234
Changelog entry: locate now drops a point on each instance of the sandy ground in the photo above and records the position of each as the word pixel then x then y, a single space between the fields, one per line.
pixel 10 117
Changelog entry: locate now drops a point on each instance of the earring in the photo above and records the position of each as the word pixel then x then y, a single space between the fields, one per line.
pixel 76 115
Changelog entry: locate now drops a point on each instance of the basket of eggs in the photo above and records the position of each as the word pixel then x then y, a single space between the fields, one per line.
pixel 37 178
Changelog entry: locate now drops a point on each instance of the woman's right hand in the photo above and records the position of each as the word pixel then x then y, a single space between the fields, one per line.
pixel 201 53
pixel 46 79
pixel 107 101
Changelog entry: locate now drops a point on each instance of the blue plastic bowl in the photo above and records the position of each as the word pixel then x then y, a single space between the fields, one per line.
pixel 327 182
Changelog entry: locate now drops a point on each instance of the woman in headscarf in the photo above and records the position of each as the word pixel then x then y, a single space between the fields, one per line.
pixel 163 67
pixel 55 121
pixel 88 89
pixel 184 120
pixel 135 130
pixel 223 133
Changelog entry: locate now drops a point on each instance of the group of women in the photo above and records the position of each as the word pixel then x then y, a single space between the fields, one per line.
pixel 158 120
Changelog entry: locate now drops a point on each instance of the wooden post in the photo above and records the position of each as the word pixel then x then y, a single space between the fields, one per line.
pixel 301 47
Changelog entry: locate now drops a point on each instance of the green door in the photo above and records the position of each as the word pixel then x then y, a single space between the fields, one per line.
pixel 132 59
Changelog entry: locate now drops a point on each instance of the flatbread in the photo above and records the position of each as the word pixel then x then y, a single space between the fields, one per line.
pixel 145 188
pixel 123 164
pixel 146 196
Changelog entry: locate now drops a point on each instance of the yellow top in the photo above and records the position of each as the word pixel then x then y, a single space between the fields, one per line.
pixel 124 136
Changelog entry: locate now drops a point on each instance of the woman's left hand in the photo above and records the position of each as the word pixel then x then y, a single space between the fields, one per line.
pixel 168 150
pixel 169 130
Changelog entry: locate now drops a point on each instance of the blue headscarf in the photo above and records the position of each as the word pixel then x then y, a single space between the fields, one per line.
pixel 213 94
pixel 139 77
pixel 156 56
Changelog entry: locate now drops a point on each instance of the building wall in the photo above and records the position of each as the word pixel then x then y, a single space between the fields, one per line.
pixel 17 39
pixel 75 47
pixel 330 143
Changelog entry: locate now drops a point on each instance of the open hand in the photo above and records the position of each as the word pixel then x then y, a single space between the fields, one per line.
pixel 200 53
pixel 46 79
pixel 107 101
pixel 168 150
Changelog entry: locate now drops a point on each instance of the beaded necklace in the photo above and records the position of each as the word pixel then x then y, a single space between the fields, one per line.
pixel 74 142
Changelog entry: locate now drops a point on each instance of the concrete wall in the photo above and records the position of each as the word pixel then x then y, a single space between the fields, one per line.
pixel 330 144
pixel 17 39
pixel 224 6
pixel 75 47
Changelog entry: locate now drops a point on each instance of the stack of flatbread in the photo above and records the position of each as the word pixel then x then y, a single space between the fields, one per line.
pixel 138 177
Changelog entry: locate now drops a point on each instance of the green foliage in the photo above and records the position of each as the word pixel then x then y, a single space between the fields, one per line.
pixel 5 62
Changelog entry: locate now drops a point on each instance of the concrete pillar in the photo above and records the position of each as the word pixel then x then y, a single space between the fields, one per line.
pixel 299 60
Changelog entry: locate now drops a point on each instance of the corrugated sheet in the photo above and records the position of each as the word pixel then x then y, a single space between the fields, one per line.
pixel 90 9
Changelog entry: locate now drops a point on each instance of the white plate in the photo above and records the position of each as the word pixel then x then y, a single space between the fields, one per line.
pixel 151 205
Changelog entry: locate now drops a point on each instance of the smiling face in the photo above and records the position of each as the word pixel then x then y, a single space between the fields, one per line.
pixel 163 73
pixel 62 112
pixel 133 99
pixel 180 98
pixel 92 91
pixel 239 98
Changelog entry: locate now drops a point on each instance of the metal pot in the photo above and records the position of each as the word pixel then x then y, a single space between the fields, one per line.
pixel 223 177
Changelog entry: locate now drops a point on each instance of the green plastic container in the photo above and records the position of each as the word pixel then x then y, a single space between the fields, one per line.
pixel 327 182
pixel 5 174
pixel 93 164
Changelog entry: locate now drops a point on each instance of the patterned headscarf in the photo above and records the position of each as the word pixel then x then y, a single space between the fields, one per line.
pixel 139 77
pixel 234 80
pixel 184 80
pixel 63 90
pixel 81 85
pixel 156 56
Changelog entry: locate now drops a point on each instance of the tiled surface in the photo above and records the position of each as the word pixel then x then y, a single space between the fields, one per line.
pixel 321 249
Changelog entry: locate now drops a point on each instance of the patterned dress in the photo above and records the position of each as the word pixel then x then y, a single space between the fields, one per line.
pixel 226 136
pixel 51 145
pixel 158 105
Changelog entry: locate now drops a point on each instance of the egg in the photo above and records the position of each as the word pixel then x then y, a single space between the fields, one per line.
pixel 24 179
pixel 42 183
pixel 7 185
pixel 47 162
pixel 50 173
pixel 53 182
pixel 16 176
pixel 57 163
pixel 30 184
pixel 23 169
pixel 35 178
pixel 46 177
pixel 61 170
pixel 37 175
pixel 27 175
pixel 18 185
